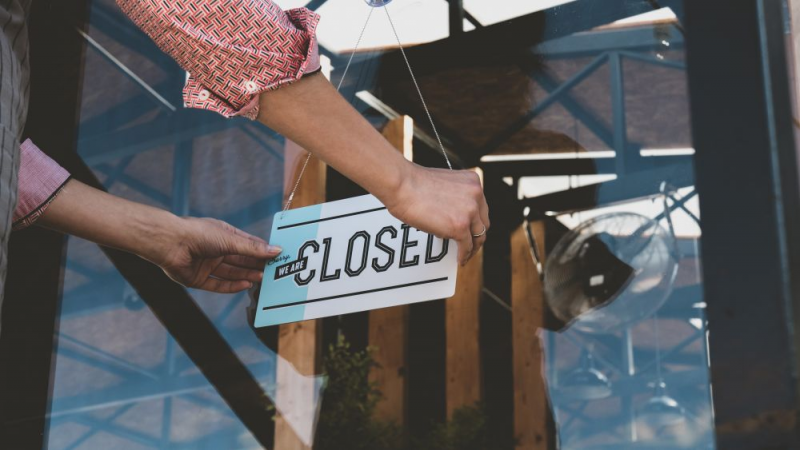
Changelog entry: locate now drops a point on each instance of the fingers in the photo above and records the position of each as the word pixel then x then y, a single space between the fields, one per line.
pixel 246 262
pixel 484 212
pixel 225 286
pixel 478 228
pixel 234 273
pixel 237 242
pixel 465 246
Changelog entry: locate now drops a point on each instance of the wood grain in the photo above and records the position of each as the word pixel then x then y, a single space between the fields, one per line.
pixel 298 343
pixel 527 304
pixel 388 328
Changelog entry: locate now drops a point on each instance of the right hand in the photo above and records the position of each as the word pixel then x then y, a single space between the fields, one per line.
pixel 446 203
pixel 214 256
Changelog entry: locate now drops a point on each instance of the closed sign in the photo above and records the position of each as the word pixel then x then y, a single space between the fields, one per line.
pixel 349 256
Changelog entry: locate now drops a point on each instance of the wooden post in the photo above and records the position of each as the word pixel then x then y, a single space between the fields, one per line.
pixel 527 309
pixel 388 328
pixel 298 343
pixel 462 329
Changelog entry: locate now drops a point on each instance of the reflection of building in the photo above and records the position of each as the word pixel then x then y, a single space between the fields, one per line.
pixel 570 111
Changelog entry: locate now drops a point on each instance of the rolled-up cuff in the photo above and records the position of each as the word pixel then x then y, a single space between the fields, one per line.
pixel 195 95
pixel 40 180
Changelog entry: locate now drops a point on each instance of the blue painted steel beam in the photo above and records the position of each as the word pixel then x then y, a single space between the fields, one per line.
pixel 117 116
pixel 94 429
pixel 249 131
pixel 116 430
pixel 137 185
pixel 119 371
pixel 182 178
pixel 137 391
pixel 130 369
pixel 593 42
pixel 181 126
pixel 579 111
pixel 655 61
pixel 635 186
pixel 113 175
pixel 114 24
pixel 157 98
pixel 618 109
pixel 315 4
pixel 525 120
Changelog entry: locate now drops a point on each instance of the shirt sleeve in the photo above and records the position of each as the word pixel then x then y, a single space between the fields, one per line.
pixel 232 49
pixel 40 181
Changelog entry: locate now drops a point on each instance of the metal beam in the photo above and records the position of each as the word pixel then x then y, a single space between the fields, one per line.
pixel 140 391
pixel 456 17
pixel 519 124
pixel 585 116
pixel 594 42
pixel 749 191
pixel 183 125
pixel 636 186
pixel 618 110
pixel 130 74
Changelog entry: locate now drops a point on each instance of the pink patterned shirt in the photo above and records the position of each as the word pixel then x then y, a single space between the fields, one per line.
pixel 233 50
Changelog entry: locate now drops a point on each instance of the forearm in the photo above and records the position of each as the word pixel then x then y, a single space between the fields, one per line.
pixel 111 221
pixel 313 114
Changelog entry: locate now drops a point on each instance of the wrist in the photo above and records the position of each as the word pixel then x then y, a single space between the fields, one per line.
pixel 401 187
pixel 395 181
pixel 158 234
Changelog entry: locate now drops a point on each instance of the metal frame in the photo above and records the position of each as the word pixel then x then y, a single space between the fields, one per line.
pixel 747 180
pixel 743 78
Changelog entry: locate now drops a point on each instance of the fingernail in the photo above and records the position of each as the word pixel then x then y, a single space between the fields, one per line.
pixel 260 276
pixel 274 249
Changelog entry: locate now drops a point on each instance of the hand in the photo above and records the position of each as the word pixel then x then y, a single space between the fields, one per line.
pixel 215 256
pixel 448 204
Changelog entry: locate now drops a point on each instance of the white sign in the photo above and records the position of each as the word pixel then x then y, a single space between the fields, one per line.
pixel 349 256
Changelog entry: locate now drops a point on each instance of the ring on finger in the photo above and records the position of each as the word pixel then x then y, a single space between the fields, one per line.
pixel 481 233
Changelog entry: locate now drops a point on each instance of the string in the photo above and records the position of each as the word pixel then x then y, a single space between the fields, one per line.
pixel 419 91
pixel 344 74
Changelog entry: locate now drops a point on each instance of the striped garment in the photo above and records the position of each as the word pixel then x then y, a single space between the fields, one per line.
pixel 233 50
pixel 14 86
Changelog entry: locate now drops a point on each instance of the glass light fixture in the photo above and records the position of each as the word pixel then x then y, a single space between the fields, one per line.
pixel 585 382
pixel 661 410
pixel 378 3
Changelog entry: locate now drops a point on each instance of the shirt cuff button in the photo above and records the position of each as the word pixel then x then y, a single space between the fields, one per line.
pixel 251 86
pixel 204 95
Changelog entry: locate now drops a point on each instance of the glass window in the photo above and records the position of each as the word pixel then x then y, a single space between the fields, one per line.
pixel 581 325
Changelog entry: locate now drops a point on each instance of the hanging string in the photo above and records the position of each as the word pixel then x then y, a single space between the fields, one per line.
pixel 419 91
pixel 338 88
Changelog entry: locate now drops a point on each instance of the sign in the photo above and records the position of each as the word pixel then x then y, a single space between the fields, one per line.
pixel 349 256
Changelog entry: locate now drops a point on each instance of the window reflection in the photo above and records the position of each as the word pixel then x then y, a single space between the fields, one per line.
pixel 578 118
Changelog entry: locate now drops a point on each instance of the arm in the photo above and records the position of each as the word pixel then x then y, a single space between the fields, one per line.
pixel 239 53
pixel 202 253
pixel 446 203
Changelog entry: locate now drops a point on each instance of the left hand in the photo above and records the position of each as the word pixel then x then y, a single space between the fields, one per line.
pixel 215 256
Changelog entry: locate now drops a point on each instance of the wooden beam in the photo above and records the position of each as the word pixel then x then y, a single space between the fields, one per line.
pixel 531 413
pixel 462 329
pixel 388 328
pixel 298 343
